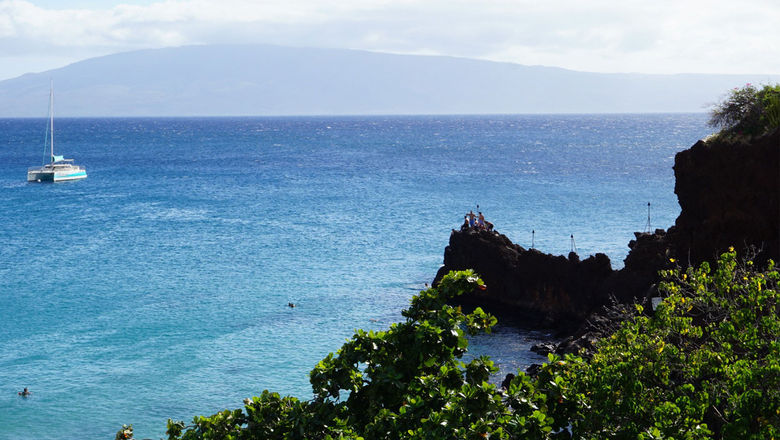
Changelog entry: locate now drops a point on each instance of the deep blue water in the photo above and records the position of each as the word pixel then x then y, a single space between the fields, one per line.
pixel 158 287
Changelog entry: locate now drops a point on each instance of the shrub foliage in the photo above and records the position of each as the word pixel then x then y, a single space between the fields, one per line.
pixel 704 364
pixel 748 111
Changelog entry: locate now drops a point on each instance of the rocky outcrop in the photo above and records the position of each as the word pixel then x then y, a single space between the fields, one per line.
pixel 544 290
pixel 600 324
pixel 728 195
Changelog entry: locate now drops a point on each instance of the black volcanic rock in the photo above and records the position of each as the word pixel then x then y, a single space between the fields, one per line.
pixel 648 252
pixel 600 324
pixel 544 288
pixel 728 195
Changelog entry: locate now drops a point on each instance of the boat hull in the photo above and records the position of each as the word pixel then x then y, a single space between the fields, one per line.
pixel 62 177
pixel 40 176
pixel 49 175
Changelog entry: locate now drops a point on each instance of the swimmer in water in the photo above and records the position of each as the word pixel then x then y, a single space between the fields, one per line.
pixel 24 392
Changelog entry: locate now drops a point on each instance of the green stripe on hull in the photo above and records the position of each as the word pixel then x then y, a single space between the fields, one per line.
pixel 74 176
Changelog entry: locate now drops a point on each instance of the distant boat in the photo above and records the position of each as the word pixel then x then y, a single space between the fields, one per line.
pixel 58 169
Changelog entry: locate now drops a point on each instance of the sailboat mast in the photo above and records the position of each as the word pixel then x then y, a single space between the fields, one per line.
pixel 51 118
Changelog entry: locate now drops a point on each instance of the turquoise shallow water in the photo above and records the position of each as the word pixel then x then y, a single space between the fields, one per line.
pixel 158 286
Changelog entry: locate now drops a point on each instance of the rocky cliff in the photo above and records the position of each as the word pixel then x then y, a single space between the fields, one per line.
pixel 540 287
pixel 548 290
pixel 728 194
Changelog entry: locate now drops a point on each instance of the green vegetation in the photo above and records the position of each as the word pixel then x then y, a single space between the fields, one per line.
pixel 706 364
pixel 747 111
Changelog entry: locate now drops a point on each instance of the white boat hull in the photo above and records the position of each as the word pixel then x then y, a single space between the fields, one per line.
pixel 49 174
pixel 62 177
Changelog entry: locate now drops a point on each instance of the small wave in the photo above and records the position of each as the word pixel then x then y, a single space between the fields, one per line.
pixel 13 184
pixel 153 211
pixel 233 221
pixel 177 214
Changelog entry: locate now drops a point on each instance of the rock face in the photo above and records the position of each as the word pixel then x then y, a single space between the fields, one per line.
pixel 600 324
pixel 728 194
pixel 729 197
pixel 544 287
pixel 546 290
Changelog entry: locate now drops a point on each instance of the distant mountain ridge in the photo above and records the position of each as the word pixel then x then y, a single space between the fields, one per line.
pixel 248 80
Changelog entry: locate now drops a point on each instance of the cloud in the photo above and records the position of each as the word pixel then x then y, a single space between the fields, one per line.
pixel 663 36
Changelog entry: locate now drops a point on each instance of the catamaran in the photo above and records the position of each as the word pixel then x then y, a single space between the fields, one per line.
pixel 58 169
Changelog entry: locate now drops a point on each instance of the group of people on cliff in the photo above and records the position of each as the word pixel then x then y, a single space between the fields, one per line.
pixel 472 221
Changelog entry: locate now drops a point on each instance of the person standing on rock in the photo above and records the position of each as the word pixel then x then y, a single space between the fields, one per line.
pixel 481 221
pixel 472 218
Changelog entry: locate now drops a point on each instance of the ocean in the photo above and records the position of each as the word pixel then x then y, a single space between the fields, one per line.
pixel 158 287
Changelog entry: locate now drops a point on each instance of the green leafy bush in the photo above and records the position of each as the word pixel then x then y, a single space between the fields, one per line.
pixel 705 364
pixel 747 111
pixel 771 104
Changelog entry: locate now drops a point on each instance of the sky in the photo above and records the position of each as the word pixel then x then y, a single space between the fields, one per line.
pixel 638 36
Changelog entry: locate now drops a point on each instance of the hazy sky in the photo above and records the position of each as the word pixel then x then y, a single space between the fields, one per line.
pixel 648 36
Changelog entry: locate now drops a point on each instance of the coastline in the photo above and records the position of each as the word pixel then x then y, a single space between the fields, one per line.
pixel 580 300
